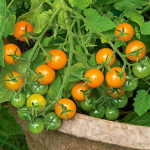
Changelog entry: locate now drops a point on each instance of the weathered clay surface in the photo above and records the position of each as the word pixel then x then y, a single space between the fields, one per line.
pixel 87 133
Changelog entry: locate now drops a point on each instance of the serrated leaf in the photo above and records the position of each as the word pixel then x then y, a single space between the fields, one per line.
pixel 134 15
pixel 34 4
pixel 98 22
pixel 92 60
pixel 81 4
pixel 145 28
pixel 142 102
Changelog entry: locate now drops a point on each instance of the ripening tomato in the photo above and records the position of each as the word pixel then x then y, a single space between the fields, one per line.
pixel 96 77
pixel 134 46
pixel 104 54
pixel 120 90
pixel 113 79
pixel 9 49
pixel 77 91
pixel 12 85
pixel 127 28
pixel 69 105
pixel 58 59
pixel 47 72
pixel 20 30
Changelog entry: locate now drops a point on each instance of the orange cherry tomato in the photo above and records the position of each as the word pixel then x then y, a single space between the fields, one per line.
pixel 121 91
pixel 134 46
pixel 13 85
pixel 96 77
pixel 47 72
pixel 127 29
pixel 9 49
pixel 20 30
pixel 103 54
pixel 77 93
pixel 58 60
pixel 69 105
pixel 113 79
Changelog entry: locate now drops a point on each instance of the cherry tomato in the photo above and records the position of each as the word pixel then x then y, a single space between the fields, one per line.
pixel 120 90
pixel 141 70
pixel 77 93
pixel 20 30
pixel 69 105
pixel 96 77
pixel 47 72
pixel 134 46
pixel 98 113
pixel 18 101
pixel 120 102
pixel 39 88
pixel 28 93
pixel 36 100
pixel 111 113
pixel 130 84
pixel 104 54
pixel 86 105
pixel 36 126
pixel 113 79
pixel 127 28
pixel 58 60
pixel 52 121
pixel 11 85
pixel 9 49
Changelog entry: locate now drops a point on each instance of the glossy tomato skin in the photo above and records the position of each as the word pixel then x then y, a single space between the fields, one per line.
pixel 98 113
pixel 18 101
pixel 47 72
pixel 14 85
pixel 96 77
pixel 69 105
pixel 120 102
pixel 77 93
pixel 9 49
pixel 39 88
pixel 28 93
pixel 130 84
pixel 120 90
pixel 134 46
pixel 36 100
pixel 24 113
pixel 111 113
pixel 52 122
pixel 104 54
pixel 58 60
pixel 20 30
pixel 86 105
pixel 36 126
pixel 141 71
pixel 127 29
pixel 113 79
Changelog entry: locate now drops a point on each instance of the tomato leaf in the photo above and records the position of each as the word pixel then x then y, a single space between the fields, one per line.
pixel 99 22
pixel 142 102
pixel 92 61
pixel 145 28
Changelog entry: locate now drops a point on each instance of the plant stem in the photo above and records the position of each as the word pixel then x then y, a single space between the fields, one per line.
pixel 9 5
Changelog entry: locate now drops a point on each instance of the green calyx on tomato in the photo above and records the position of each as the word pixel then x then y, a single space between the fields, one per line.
pixel 18 101
pixel 111 113
pixel 52 121
pixel 39 88
pixel 120 102
pixel 141 70
pixel 36 126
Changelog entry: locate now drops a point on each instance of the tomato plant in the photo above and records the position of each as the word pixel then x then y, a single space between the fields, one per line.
pixel 13 80
pixel 48 74
pixel 104 55
pixel 95 77
pixel 134 46
pixel 67 104
pixel 20 28
pixel 128 32
pixel 36 126
pixel 11 49
pixel 58 59
pixel 113 79
pixel 77 91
